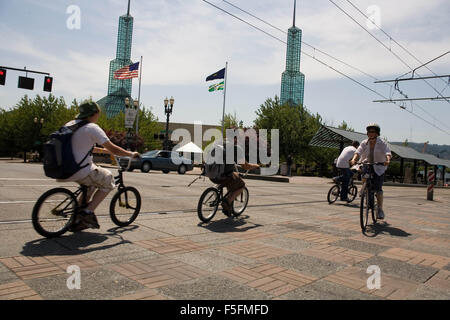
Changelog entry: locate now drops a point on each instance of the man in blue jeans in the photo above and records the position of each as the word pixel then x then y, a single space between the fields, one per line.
pixel 343 164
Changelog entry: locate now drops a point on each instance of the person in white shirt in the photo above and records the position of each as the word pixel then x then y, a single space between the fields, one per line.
pixel 99 180
pixel 374 150
pixel 343 164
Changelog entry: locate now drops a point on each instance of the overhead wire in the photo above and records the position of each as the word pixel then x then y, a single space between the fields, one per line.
pixel 323 63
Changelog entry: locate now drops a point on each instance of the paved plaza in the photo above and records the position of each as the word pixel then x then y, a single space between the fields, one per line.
pixel 289 244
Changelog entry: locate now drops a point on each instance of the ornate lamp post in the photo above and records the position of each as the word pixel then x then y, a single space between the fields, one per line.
pixel 168 110
pixel 127 105
pixel 136 107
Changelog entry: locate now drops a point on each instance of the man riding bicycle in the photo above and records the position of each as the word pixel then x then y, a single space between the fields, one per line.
pixel 374 150
pixel 99 180
pixel 344 168
pixel 229 178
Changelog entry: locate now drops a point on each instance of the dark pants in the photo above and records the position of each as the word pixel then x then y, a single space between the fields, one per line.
pixel 345 179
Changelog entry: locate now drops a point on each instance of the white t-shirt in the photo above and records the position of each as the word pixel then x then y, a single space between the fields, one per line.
pixel 345 156
pixel 82 142
pixel 380 152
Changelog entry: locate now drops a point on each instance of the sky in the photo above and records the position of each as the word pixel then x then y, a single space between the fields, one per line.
pixel 184 41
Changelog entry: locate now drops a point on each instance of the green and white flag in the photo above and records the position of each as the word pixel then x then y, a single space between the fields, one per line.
pixel 216 87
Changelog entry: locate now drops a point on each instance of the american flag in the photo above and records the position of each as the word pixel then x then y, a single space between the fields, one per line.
pixel 127 72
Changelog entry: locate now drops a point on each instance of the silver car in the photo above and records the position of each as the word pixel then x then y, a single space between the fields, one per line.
pixel 159 160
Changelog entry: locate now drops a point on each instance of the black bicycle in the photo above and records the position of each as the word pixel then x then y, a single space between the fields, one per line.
pixel 335 191
pixel 212 197
pixel 55 211
pixel 368 198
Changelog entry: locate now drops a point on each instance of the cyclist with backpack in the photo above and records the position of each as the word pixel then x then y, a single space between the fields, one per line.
pixel 223 172
pixel 375 150
pixel 81 136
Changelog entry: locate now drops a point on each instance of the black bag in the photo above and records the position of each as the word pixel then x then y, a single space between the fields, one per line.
pixel 59 162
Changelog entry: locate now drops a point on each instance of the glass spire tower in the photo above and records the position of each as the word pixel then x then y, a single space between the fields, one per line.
pixel 292 80
pixel 118 90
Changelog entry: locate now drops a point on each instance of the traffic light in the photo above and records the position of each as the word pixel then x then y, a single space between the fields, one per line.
pixel 48 81
pixel 2 76
pixel 26 83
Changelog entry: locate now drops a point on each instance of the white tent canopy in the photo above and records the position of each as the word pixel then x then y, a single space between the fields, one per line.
pixel 190 147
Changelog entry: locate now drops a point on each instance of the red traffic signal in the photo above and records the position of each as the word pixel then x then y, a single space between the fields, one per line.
pixel 2 76
pixel 48 82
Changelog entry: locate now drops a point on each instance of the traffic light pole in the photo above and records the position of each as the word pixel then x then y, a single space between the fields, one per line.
pixel 24 70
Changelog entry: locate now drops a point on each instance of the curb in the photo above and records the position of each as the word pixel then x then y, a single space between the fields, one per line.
pixel 267 178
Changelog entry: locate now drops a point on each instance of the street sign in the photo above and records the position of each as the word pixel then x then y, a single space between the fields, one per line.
pixel 130 116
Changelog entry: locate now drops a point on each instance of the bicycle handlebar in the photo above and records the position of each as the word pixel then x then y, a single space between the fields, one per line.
pixel 118 162
pixel 372 163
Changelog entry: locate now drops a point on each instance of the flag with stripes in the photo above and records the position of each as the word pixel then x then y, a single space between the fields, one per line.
pixel 216 87
pixel 127 72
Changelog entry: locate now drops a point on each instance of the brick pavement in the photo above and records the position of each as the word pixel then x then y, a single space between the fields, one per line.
pixel 329 235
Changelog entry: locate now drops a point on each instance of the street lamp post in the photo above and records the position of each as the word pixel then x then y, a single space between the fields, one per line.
pixel 136 107
pixel 127 105
pixel 168 106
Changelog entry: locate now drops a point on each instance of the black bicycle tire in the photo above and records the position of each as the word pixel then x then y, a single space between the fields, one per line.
pixel 235 214
pixel 330 201
pixel 354 194
pixel 37 206
pixel 200 202
pixel 374 215
pixel 362 210
pixel 112 211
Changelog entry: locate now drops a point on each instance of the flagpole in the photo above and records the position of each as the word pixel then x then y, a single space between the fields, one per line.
pixel 139 100
pixel 224 96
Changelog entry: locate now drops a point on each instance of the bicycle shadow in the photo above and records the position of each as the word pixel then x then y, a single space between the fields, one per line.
pixel 75 243
pixel 229 225
pixel 384 228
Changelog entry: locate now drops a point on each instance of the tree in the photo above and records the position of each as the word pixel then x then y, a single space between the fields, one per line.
pixel 19 132
pixel 296 127
pixel 232 121
pixel 345 126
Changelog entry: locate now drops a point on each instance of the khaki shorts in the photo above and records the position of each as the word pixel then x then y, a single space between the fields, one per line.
pixel 100 178
pixel 232 183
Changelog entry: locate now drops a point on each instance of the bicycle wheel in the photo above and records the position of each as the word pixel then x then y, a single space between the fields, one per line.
pixel 373 206
pixel 352 193
pixel 125 206
pixel 240 203
pixel 333 194
pixel 53 212
pixel 364 209
pixel 208 204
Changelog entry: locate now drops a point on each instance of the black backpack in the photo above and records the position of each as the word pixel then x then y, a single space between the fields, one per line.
pixel 59 162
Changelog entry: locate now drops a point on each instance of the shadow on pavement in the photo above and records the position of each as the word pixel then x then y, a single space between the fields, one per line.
pixel 75 243
pixel 385 228
pixel 229 225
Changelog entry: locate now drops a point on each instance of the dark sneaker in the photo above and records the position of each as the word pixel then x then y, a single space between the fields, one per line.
pixel 89 218
pixel 78 226
pixel 380 214
pixel 226 209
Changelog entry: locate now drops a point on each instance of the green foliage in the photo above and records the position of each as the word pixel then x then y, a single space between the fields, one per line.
pixel 296 127
pixel 231 121
pixel 19 132
pixel 345 126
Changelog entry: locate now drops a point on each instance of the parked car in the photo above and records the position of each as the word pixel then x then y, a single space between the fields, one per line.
pixel 159 160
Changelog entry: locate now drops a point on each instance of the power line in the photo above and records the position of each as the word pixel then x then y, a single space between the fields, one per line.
pixel 379 27
pixel 323 63
pixel 305 43
pixel 315 49
pixel 378 40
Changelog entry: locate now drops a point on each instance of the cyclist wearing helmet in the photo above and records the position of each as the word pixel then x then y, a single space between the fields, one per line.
pixel 373 150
